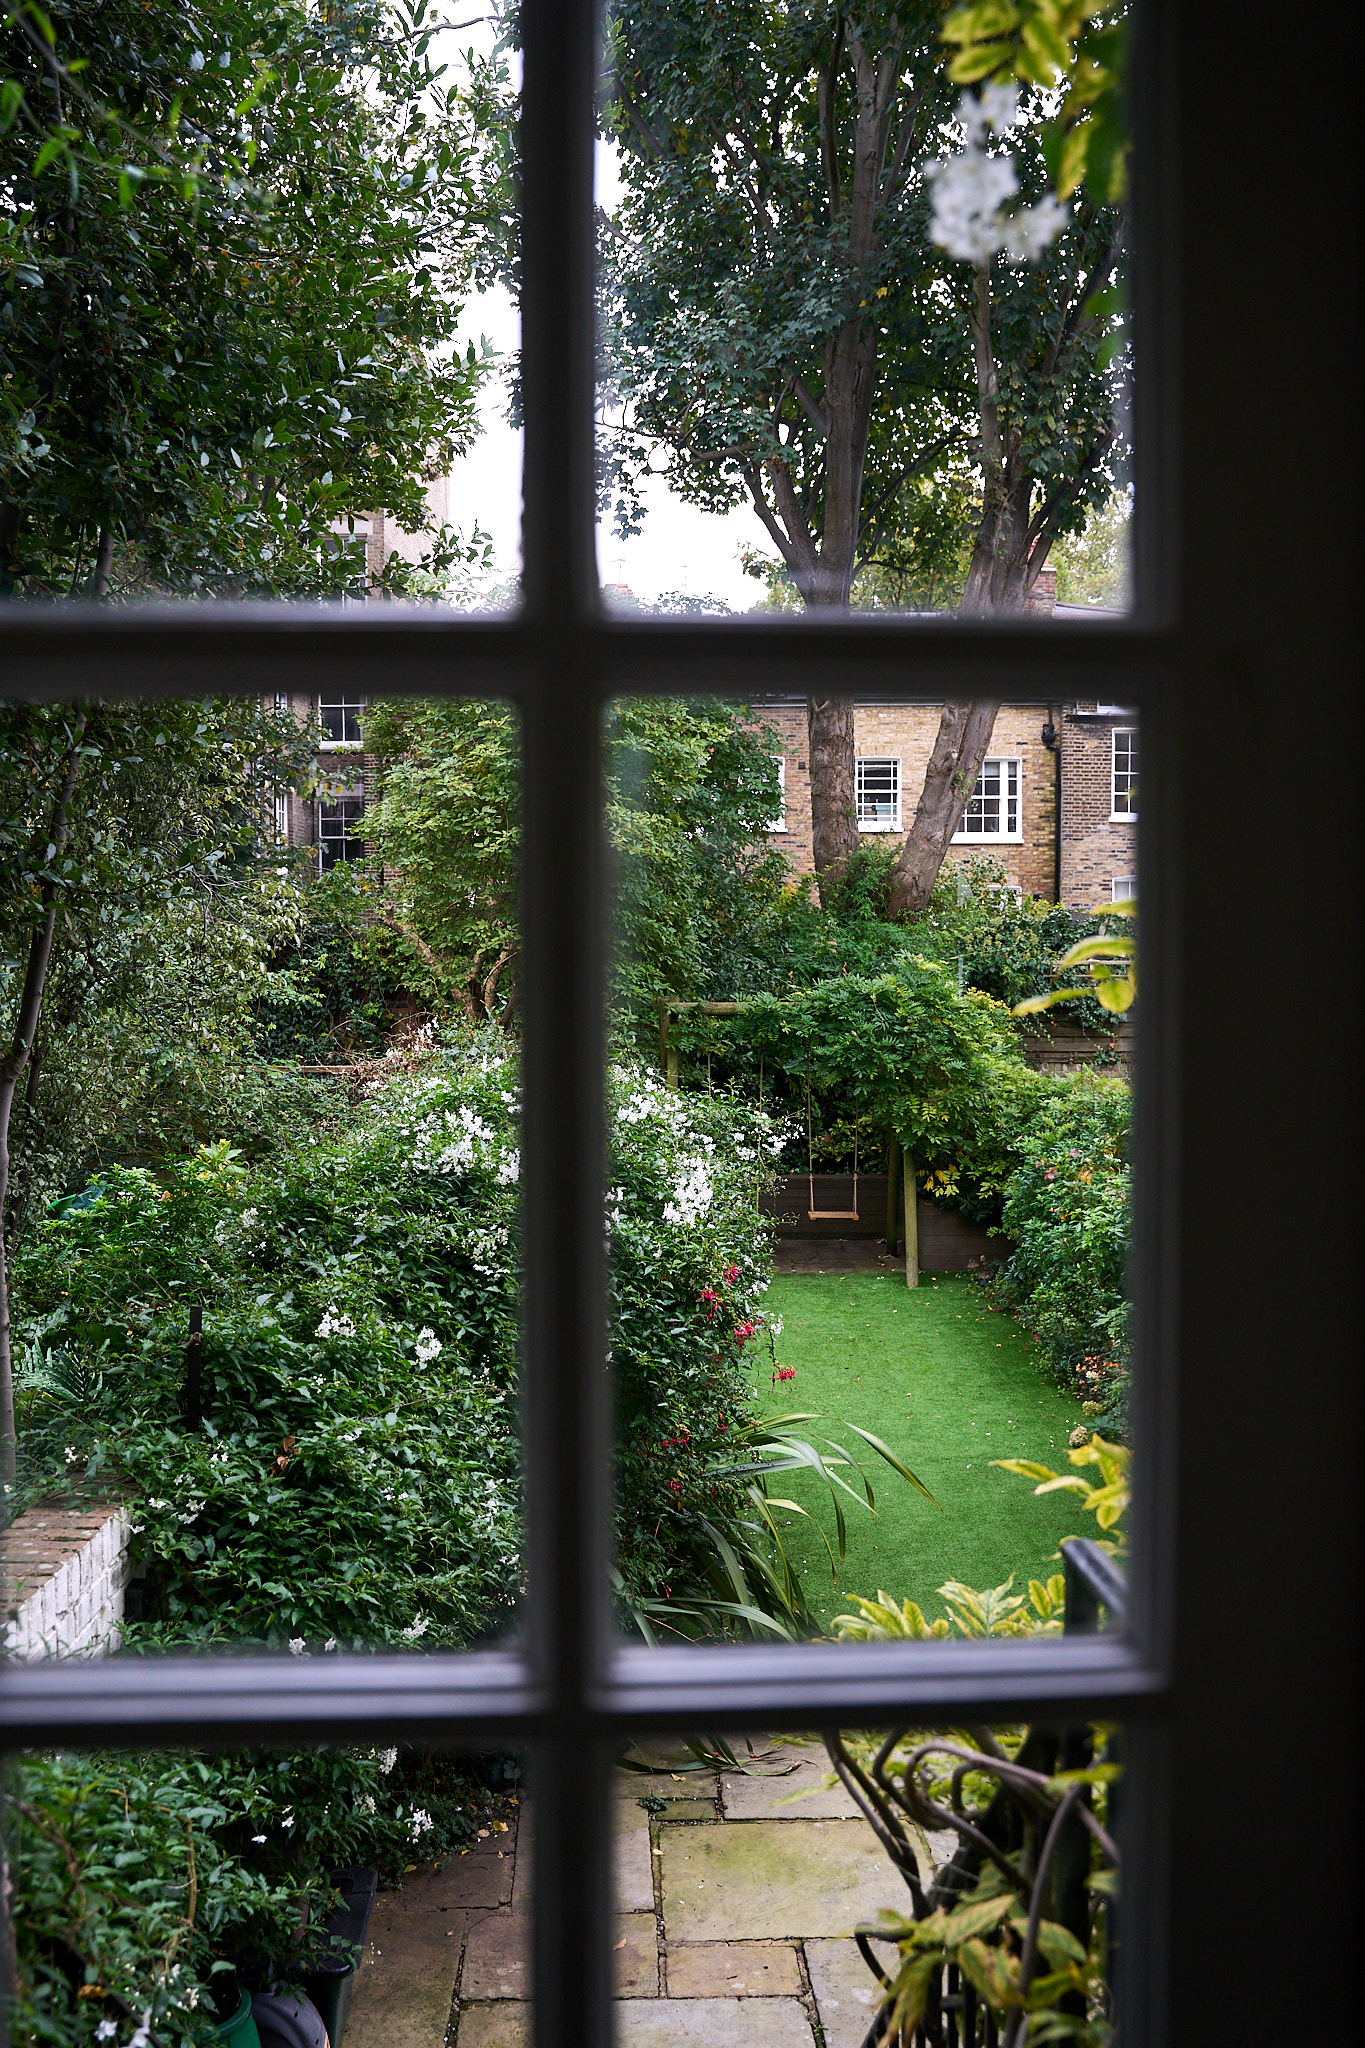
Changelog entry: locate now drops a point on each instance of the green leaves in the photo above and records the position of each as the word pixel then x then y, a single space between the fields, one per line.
pixel 1079 47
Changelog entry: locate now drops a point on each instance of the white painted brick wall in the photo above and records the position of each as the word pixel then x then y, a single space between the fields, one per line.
pixel 64 1572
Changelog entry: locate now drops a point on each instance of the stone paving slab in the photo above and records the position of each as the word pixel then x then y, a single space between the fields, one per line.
pixel 633 1863
pixel 720 1969
pixel 406 1979
pixel 845 1990
pixel 708 2023
pixel 635 1954
pixel 504 2025
pixel 667 1785
pixel 765 1879
pixel 761 1793
pixel 497 1957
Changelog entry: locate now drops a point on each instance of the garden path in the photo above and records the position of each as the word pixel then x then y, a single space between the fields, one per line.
pixel 735 1904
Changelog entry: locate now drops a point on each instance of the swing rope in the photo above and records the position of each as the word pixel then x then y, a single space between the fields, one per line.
pixel 814 1215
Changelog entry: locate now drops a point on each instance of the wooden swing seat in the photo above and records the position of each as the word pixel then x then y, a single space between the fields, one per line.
pixel 832 1216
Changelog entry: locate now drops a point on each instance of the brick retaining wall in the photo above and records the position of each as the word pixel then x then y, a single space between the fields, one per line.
pixel 63 1571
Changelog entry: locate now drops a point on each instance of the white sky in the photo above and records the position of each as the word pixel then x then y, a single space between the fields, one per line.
pixel 679 548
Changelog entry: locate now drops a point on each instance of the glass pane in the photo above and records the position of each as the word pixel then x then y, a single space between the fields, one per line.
pixel 263 1207
pixel 292 249
pixel 747 1867
pixel 869 1188
pixel 295 1895
pixel 860 350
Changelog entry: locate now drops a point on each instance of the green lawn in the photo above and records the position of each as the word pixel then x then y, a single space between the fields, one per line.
pixel 949 1384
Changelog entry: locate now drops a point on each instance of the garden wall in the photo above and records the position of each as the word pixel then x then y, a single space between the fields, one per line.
pixel 949 1242
pixel 63 1571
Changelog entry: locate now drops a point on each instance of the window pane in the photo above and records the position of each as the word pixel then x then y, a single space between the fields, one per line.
pixel 347 1889
pixel 263 1208
pixel 823 1089
pixel 843 372
pixel 745 1866
pixel 287 379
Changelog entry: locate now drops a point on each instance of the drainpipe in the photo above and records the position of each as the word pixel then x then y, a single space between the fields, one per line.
pixel 1054 746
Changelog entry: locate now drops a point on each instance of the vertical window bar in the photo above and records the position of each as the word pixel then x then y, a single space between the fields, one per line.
pixel 564 1296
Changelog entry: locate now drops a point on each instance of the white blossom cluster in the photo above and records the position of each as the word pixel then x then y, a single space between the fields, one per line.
pixel 428 1346
pixel 692 1194
pixel 970 190
pixel 335 1325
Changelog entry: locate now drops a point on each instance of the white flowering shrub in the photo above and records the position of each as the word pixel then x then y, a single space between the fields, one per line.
pixel 691 1259
pixel 355 1475
pixel 971 219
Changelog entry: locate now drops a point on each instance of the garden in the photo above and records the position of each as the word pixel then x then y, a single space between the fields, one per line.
pixel 334 1243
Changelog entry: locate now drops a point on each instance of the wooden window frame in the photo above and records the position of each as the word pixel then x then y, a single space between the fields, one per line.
pixel 1241 1645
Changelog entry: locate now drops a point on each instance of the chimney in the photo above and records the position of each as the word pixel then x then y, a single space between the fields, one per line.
pixel 1043 596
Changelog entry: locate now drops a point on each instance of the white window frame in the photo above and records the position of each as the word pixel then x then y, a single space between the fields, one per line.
pixel 350 708
pixel 779 823
pixel 329 812
pixel 1124 813
pixel 1009 767
pixel 872 819
pixel 1123 889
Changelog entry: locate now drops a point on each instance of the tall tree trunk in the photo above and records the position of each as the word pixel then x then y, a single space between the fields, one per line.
pixel 964 733
pixel 104 562
pixel 1001 573
pixel 12 1067
pixel 833 815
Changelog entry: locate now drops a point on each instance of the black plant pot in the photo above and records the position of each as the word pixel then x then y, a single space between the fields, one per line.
pixel 331 1984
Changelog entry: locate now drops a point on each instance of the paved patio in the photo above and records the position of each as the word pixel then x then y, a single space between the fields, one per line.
pixel 735 1908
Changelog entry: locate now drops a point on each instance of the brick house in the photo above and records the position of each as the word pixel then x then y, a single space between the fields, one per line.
pixel 1056 802
pixel 1077 758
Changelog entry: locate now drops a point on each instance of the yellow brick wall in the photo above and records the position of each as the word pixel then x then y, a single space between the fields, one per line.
pixel 906 732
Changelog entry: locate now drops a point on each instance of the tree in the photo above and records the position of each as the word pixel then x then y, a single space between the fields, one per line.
pixel 109 819
pixel 782 323
pixel 233 242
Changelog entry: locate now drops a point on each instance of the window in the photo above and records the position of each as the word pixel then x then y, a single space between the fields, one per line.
pixel 1209 1697
pixel 340 720
pixel 282 814
pixel 1124 889
pixel 1125 772
pixel 877 792
pixel 779 823
pixel 993 808
pixel 339 829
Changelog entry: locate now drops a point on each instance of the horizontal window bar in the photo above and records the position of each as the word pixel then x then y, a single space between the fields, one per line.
pixel 492 1693
pixel 224 1699
pixel 251 649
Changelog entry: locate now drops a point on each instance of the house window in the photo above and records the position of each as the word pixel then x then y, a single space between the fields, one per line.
pixel 340 720
pixel 877 793
pixel 339 830
pixel 1124 889
pixel 1125 772
pixel 282 814
pixel 993 808
pixel 779 823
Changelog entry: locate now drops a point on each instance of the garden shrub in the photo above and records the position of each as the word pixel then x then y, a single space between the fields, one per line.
pixel 146 1877
pixel 355 1479
pixel 1067 1209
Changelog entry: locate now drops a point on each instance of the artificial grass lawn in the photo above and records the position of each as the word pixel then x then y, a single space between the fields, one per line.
pixel 949 1383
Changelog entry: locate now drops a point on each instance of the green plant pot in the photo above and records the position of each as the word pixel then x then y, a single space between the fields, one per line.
pixel 240 2030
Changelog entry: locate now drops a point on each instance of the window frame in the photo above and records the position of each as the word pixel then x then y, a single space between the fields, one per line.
pixel 342 838
pixel 1206 1698
pixel 1132 734
pixel 348 705
pixel 964 837
pixel 876 823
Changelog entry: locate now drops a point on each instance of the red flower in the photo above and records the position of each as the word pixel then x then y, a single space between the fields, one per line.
pixel 712 1300
pixel 732 1274
pixel 785 1372
pixel 743 1332
pixel 675 1486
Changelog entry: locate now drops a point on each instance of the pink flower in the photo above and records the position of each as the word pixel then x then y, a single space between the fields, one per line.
pixel 675 1486
pixel 785 1372
pixel 743 1332
pixel 732 1274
